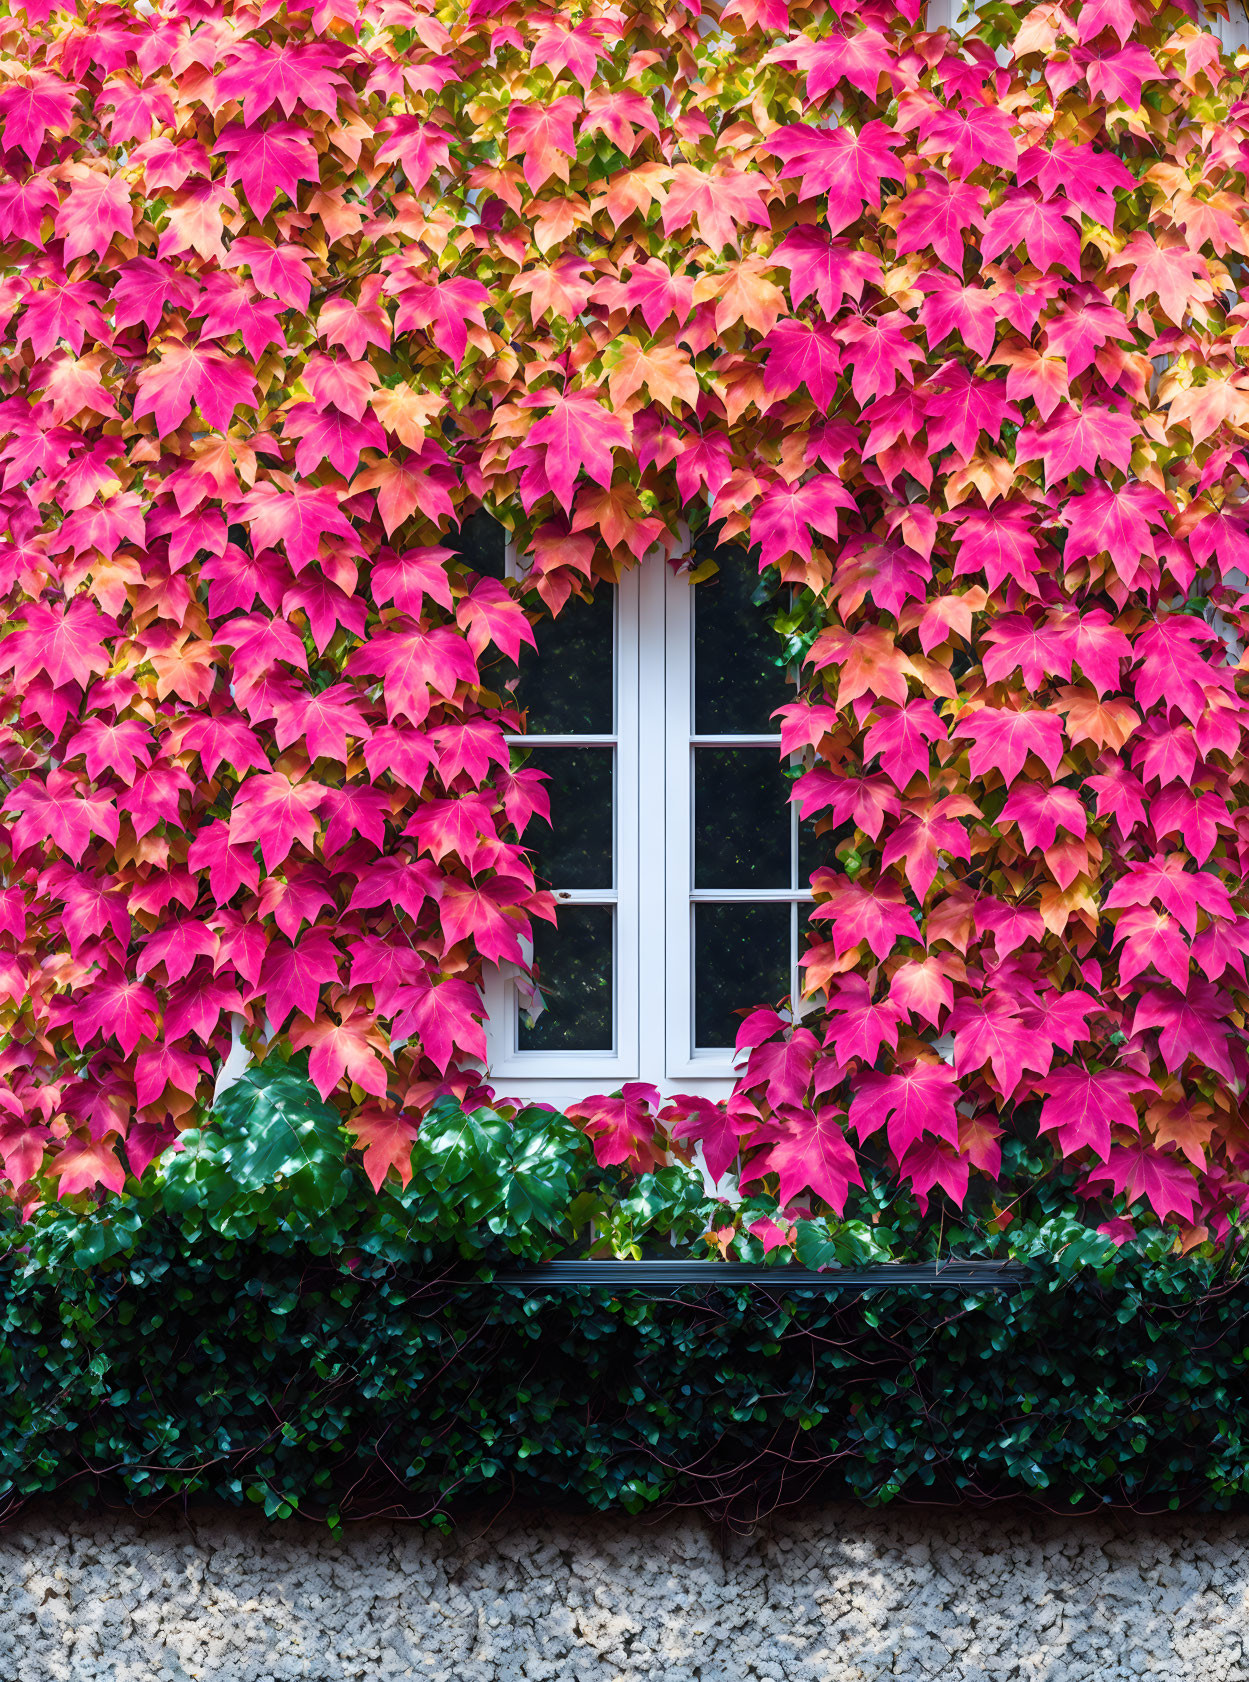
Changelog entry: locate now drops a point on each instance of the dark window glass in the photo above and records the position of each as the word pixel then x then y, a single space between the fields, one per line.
pixel 576 851
pixel 741 819
pixel 566 682
pixel 737 683
pixel 741 958
pixel 574 964
pixel 483 543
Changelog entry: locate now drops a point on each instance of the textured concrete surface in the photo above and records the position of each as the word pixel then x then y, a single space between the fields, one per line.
pixel 827 1596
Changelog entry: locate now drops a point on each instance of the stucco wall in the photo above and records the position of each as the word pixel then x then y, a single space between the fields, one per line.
pixel 833 1596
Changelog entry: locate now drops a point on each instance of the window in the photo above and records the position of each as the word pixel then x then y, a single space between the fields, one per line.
pixel 676 859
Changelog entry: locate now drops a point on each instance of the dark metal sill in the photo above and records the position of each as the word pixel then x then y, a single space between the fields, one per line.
pixel 658 1277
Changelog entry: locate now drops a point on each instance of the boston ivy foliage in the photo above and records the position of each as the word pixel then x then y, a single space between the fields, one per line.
pixel 948 328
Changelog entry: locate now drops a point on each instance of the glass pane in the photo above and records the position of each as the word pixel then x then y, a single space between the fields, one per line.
pixel 483 543
pixel 737 682
pixel 575 851
pixel 574 966
pixel 741 959
pixel 741 819
pixel 566 682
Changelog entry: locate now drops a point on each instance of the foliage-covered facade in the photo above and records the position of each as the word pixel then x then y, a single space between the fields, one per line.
pixel 948 328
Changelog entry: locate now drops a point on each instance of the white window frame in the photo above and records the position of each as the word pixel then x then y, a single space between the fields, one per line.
pixel 654 893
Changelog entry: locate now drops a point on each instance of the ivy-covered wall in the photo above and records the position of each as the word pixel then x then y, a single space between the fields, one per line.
pixel 946 328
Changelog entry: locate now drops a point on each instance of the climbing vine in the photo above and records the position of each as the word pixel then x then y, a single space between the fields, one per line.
pixel 948 329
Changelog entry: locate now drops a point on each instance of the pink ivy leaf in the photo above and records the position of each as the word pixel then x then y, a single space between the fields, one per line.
pixel 913 1100
pixel 1082 1106
pixel 811 1152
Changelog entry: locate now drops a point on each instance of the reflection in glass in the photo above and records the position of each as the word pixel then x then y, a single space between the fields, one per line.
pixel 741 819
pixel 574 963
pixel 566 682
pixel 483 543
pixel 575 851
pixel 741 958
pixel 737 683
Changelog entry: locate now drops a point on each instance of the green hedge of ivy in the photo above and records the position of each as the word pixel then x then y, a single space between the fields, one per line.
pixel 255 1323
pixel 201 1367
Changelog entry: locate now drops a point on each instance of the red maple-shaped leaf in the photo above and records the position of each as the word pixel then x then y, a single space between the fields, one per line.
pixel 991 1031
pixel 1166 269
pixel 485 912
pixel 784 519
pixel 276 812
pixel 1180 891
pixel 83 1164
pixel 348 1047
pixel 1041 811
pixel 846 164
pixel 811 1152
pixel 1049 231
pixel 802 352
pixel 623 1127
pixel 971 134
pixel 268 161
pixel 98 206
pixel 577 433
pixel 491 614
pixel 718 1128
pixel 446 308
pixel 411 662
pixel 832 269
pixel 1078 438
pixel 922 988
pixel 784 1067
pixel 56 811
pixel 915 1099
pixel 1171 666
pixel 1193 1024
pixel 444 1017
pixel 543 136
pixel 876 915
pixel 931 1163
pixel 718 201
pixel 859 1026
pixel 421 148
pixel 1161 1178
pixel 33 106
pixel 189 377
pixel 939 216
pixel 115 1004
pixel 386 1138
pixel 294 974
pixel 901 736
pixel 290 74
pixel 65 640
pixel 928 829
pixel 1083 1105
pixel 860 59
pixel 1003 739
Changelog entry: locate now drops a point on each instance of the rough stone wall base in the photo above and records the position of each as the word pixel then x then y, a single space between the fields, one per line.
pixel 834 1595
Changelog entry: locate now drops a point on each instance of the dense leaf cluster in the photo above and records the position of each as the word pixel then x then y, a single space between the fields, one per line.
pixel 949 329
pixel 140 1361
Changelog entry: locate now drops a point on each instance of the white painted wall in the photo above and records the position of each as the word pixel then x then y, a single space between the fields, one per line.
pixel 830 1596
